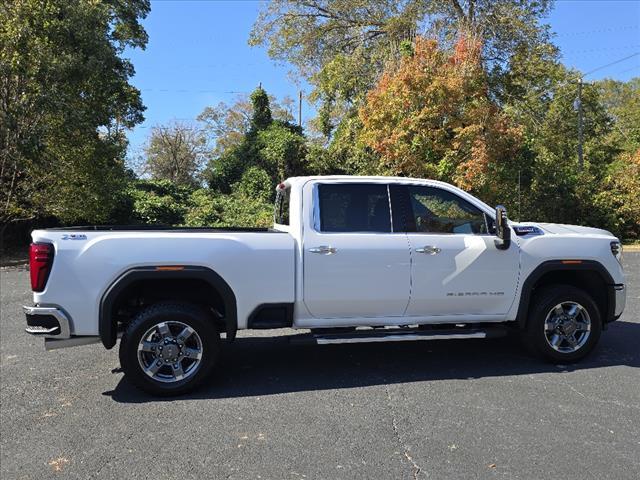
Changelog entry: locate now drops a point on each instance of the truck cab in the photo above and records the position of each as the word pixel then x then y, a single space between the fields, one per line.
pixel 372 251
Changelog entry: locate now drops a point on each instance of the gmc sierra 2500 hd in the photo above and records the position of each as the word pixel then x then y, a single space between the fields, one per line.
pixel 353 259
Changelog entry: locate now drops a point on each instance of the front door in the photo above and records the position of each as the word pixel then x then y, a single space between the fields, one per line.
pixel 456 268
pixel 354 265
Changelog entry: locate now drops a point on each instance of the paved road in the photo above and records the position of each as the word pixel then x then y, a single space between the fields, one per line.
pixel 464 409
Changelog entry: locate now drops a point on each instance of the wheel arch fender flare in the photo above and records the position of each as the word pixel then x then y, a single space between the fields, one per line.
pixel 551 266
pixel 107 323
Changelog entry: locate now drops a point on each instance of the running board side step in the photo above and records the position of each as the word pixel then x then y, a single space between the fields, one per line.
pixel 404 335
pixel 54 343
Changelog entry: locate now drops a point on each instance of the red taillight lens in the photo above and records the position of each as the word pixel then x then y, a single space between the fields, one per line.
pixel 40 261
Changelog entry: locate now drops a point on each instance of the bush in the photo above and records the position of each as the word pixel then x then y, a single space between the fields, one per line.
pixel 159 202
pixel 203 211
pixel 236 210
pixel 256 184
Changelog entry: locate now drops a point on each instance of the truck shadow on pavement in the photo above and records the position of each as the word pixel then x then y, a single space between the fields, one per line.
pixel 259 366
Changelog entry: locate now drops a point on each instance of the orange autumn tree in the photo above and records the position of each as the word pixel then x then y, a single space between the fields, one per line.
pixel 430 116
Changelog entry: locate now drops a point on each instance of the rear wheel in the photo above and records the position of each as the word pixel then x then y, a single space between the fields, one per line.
pixel 564 324
pixel 169 348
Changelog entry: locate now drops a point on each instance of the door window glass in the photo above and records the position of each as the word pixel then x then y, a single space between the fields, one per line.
pixel 354 207
pixel 439 211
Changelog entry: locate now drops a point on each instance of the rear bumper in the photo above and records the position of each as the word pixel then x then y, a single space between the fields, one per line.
pixel 47 322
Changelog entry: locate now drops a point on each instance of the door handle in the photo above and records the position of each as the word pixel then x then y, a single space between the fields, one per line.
pixel 324 250
pixel 428 250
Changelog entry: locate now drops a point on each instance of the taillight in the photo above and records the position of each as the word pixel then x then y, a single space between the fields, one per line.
pixel 40 261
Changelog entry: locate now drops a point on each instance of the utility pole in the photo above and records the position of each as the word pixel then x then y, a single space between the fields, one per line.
pixel 579 106
pixel 300 108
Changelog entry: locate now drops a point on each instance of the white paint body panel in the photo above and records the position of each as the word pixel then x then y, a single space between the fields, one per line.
pixel 259 267
pixel 372 279
pixel 468 276
pixel 367 276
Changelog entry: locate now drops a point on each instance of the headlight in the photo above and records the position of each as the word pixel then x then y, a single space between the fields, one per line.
pixel 616 250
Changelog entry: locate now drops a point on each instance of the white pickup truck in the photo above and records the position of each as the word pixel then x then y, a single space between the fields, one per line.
pixel 353 259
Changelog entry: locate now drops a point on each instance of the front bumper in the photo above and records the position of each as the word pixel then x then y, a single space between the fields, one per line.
pixel 47 322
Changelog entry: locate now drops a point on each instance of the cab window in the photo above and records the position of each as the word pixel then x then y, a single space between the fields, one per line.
pixel 281 211
pixel 436 210
pixel 354 207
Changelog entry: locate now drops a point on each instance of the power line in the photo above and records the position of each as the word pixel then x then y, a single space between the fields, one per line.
pixel 628 69
pixel 188 90
pixel 597 49
pixel 599 30
pixel 610 64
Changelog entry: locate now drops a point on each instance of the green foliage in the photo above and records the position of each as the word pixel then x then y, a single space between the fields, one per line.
pixel 235 210
pixel 240 211
pixel 255 184
pixel 347 154
pixel 261 117
pixel 621 100
pixel 503 126
pixel 276 147
pixel 159 202
pixel 162 202
pixel 619 199
pixel 342 46
pixel 281 151
pixel 64 97
pixel 225 126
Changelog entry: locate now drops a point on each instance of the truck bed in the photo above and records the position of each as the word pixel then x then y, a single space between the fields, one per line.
pixel 159 228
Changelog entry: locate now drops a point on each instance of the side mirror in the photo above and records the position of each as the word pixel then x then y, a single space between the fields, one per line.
pixel 503 232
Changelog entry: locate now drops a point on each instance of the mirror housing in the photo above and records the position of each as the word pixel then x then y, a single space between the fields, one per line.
pixel 503 232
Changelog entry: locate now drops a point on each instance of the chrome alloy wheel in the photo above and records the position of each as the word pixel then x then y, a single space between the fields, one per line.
pixel 567 327
pixel 170 351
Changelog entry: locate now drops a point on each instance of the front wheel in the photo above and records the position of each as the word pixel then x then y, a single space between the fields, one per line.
pixel 168 349
pixel 564 324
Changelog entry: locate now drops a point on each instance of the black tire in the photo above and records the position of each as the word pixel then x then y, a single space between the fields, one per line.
pixel 196 318
pixel 535 334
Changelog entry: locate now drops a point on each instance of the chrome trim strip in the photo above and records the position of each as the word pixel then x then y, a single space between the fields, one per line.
pixel 390 209
pixel 63 320
pixel 621 299
pixel 316 209
pixel 399 338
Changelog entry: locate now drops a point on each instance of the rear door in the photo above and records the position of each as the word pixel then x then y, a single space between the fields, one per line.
pixel 354 264
pixel 456 268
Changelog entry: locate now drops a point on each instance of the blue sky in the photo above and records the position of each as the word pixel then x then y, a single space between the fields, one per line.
pixel 198 54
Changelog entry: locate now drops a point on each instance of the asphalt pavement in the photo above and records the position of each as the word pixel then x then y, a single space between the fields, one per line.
pixel 273 410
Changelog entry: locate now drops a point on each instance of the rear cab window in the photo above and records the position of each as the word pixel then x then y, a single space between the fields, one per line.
pixel 353 207
pixel 282 206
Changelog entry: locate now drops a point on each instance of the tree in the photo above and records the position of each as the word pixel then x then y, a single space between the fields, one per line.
pixel 64 100
pixel 276 147
pixel 618 199
pixel 176 153
pixel 343 46
pixel 226 125
pixel 621 101
pixel 261 115
pixel 431 116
